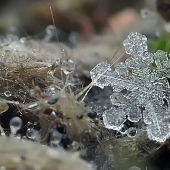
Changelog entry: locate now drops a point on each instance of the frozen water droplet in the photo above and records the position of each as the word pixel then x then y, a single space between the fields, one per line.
pixel 131 132
pixel 55 138
pixel 33 134
pixel 7 93
pixel 67 66
pixel 134 168
pixel 15 124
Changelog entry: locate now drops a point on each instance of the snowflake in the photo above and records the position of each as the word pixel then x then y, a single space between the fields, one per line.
pixel 140 88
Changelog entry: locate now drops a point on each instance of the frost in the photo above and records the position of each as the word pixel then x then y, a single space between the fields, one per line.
pixel 135 44
pixel 140 88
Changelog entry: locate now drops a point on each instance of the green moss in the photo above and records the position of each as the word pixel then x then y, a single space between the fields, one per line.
pixel 163 43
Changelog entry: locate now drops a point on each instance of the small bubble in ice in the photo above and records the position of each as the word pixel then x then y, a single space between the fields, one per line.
pixel 131 132
pixel 15 124
pixel 7 93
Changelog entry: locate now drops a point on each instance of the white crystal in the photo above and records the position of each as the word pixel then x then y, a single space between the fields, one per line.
pixel 143 78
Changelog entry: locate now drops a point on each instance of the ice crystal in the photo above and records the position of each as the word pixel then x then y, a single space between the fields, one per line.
pixel 140 88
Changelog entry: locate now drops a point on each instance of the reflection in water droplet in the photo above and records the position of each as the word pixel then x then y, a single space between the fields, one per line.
pixel 29 125
pixel 55 138
pixel 15 124
pixel 33 134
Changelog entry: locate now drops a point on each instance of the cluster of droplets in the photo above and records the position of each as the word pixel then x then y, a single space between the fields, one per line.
pixel 16 124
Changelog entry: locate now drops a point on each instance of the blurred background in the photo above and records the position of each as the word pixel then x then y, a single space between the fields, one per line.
pixel 93 29
pixel 86 17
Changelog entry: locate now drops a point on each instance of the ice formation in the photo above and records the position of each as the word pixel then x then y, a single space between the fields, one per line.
pixel 140 88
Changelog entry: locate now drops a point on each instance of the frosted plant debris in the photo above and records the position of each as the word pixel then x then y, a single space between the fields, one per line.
pixel 144 79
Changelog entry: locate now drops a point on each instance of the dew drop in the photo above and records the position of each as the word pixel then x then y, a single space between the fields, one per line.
pixel 33 134
pixel 29 125
pixel 24 138
pixel 7 93
pixel 55 138
pixel 67 66
pixel 131 132
pixel 15 124
pixel 50 29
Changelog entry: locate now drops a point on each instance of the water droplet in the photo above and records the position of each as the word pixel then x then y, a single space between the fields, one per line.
pixel 15 124
pixel 91 114
pixel 67 66
pixel 7 93
pixel 52 100
pixel 29 125
pixel 131 132
pixel 33 134
pixel 55 138
pixel 50 29
pixel 7 133
pixel 24 138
